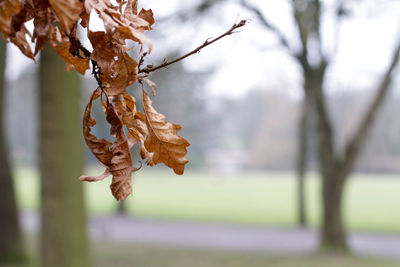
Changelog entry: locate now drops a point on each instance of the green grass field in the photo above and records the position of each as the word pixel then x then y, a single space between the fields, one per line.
pixel 372 202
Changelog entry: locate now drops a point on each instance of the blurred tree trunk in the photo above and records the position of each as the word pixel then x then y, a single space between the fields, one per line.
pixel 335 167
pixel 333 235
pixel 307 15
pixel 63 233
pixel 11 248
pixel 302 158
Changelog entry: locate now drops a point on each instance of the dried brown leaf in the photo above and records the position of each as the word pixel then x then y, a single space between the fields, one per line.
pixel 27 12
pixel 147 15
pixel 44 18
pixel 121 162
pixel 106 11
pixel 163 140
pixel 68 12
pixel 99 147
pixel 43 27
pixel 126 25
pixel 80 64
pixel 8 8
pixel 131 7
pixel 134 120
pixel 19 39
pixel 152 85
pixel 85 18
pixel 115 157
pixel 118 69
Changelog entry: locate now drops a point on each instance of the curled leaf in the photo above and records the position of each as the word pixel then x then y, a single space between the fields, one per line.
pixel 99 147
pixel 115 156
pixel 163 140
pixel 121 162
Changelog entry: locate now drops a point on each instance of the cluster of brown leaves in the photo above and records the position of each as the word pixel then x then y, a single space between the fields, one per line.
pixel 56 22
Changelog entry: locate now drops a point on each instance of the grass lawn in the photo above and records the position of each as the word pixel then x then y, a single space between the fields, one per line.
pixel 107 254
pixel 372 202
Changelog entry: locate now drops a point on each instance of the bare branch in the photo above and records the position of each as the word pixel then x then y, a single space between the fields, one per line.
pixel 197 50
pixel 266 23
pixel 354 145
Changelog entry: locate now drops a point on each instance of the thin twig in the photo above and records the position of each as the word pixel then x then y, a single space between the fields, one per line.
pixel 206 43
pixel 142 59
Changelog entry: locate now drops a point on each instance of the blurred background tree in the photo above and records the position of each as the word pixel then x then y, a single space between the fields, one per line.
pixel 334 166
pixel 310 53
pixel 64 239
pixel 11 245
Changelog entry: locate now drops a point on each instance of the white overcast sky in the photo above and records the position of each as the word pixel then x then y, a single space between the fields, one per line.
pixel 253 57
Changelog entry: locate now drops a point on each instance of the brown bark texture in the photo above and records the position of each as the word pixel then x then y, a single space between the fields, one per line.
pixel 63 230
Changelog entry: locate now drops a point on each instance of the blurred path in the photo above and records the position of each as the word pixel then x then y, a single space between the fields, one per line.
pixel 223 236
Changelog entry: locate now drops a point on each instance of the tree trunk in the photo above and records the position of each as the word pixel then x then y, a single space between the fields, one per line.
pixel 335 173
pixel 11 248
pixel 63 233
pixel 302 158
pixel 333 235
